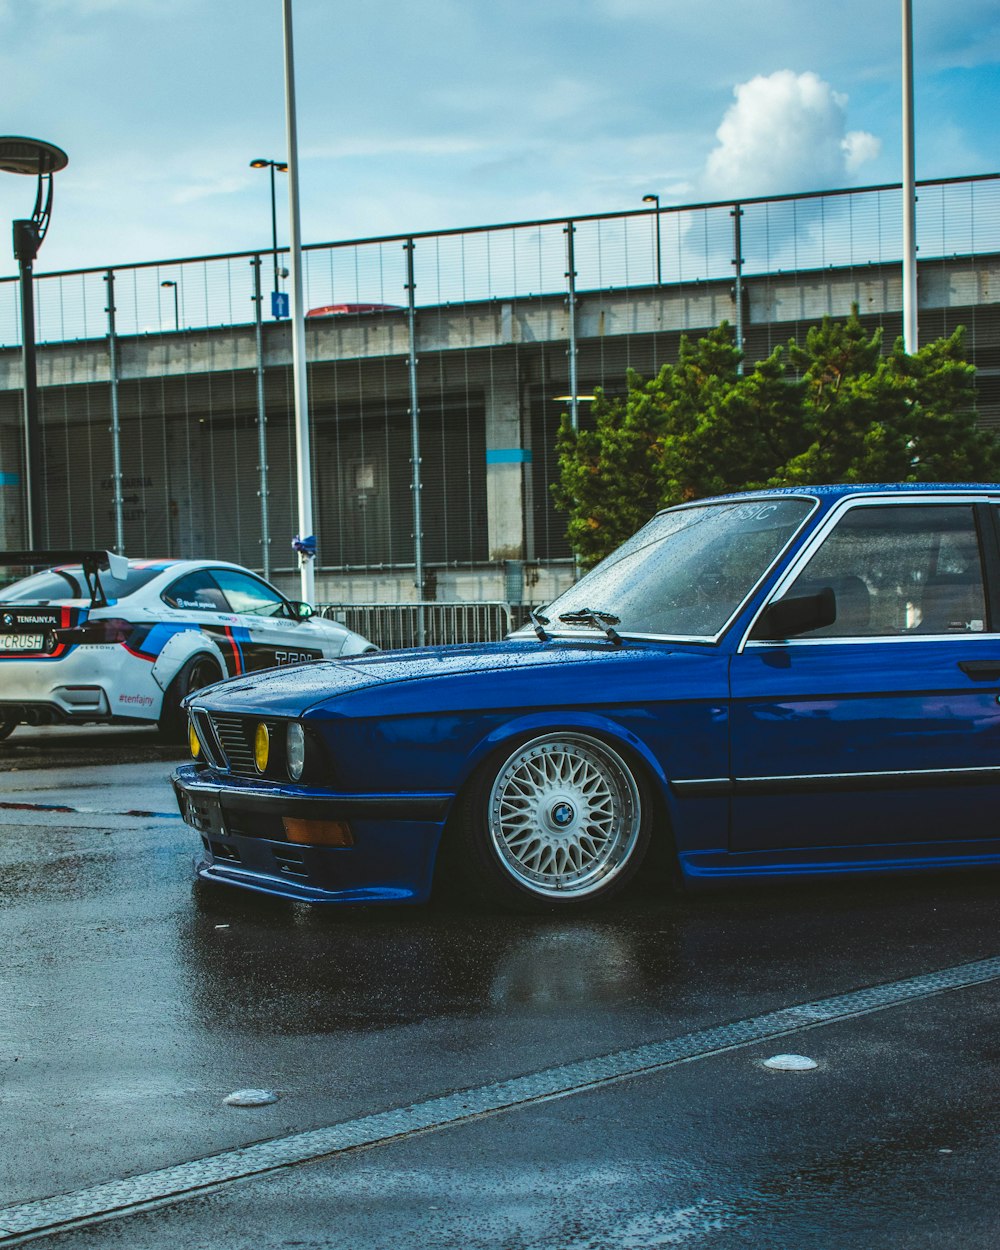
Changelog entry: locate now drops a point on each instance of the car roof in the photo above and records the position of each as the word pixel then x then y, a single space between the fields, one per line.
pixel 831 491
pixel 170 564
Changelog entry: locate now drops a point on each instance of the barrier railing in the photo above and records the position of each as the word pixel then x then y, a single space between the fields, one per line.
pixel 390 625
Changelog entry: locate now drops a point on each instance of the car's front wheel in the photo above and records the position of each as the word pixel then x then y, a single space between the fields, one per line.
pixel 199 671
pixel 560 823
pixel 7 726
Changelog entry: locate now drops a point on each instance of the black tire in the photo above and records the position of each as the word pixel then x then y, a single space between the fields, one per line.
pixel 559 823
pixel 197 672
pixel 7 726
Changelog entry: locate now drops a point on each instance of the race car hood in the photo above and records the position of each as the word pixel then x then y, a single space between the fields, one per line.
pixel 400 682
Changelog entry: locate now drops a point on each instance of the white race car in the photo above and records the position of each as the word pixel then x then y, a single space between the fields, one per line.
pixel 99 638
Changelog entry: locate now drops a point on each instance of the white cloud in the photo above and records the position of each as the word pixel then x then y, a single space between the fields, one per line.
pixel 194 191
pixel 786 132
pixel 859 147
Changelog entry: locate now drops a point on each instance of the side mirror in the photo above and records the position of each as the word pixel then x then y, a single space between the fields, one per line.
pixel 797 614
pixel 301 611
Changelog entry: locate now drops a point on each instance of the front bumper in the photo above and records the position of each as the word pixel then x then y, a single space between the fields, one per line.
pixel 244 841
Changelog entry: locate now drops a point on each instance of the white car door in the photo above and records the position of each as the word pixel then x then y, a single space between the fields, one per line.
pixel 268 632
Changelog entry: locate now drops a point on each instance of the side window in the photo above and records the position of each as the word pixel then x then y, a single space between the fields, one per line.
pixel 196 592
pixel 900 569
pixel 248 595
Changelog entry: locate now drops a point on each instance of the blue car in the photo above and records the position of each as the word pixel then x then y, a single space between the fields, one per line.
pixel 792 682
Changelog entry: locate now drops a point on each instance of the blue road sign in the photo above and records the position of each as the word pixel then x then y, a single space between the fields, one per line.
pixel 279 304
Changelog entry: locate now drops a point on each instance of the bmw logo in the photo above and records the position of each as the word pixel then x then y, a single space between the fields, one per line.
pixel 8 620
pixel 562 814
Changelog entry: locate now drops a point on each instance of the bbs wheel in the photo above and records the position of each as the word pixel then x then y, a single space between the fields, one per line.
pixel 199 671
pixel 561 823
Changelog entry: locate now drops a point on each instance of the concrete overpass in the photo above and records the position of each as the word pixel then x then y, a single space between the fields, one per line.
pixel 195 408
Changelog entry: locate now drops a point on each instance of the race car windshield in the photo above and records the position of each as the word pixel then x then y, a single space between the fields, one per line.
pixel 687 572
pixel 68 582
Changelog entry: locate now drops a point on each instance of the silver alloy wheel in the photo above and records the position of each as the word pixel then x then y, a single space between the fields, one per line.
pixel 564 815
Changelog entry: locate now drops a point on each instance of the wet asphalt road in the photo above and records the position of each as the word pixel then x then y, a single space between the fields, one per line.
pixel 132 1004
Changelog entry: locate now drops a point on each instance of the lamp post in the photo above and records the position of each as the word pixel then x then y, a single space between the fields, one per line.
pixel 282 167
pixel 305 540
pixel 655 199
pixel 910 307
pixel 177 313
pixel 31 156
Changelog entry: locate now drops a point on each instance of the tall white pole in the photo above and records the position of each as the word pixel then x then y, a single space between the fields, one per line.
pixel 910 334
pixel 300 383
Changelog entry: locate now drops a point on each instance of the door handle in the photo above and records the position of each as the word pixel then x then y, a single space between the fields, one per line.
pixel 981 670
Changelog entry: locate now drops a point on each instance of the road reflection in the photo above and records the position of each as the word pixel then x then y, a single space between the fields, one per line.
pixel 297 970
pixel 684 961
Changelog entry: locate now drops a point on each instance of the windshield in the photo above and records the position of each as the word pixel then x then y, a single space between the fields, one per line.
pixel 687 572
pixel 68 582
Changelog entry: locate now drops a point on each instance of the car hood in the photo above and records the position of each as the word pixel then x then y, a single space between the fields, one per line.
pixel 462 676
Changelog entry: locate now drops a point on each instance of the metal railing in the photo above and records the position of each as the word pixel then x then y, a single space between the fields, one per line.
pixel 392 625
pixel 438 371
pixel 671 244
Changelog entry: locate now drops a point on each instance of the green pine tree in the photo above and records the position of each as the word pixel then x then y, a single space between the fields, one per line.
pixel 836 409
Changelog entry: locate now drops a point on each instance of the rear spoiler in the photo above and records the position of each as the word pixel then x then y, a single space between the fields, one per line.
pixel 92 562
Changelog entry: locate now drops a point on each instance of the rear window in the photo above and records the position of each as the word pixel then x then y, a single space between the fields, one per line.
pixel 70 583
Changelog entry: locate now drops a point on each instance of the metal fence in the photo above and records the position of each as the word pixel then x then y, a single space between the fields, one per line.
pixel 671 244
pixel 166 390
pixel 391 625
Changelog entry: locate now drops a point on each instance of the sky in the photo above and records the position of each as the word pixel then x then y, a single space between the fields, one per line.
pixel 425 115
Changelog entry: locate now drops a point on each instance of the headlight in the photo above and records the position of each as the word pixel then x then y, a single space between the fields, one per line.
pixel 261 747
pixel 194 742
pixel 295 750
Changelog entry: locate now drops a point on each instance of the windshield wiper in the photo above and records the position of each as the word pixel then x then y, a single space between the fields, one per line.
pixel 599 620
pixel 538 621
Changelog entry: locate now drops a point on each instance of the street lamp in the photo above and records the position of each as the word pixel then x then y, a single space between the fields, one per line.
pixel 31 156
pixel 281 167
pixel 910 310
pixel 655 199
pixel 177 314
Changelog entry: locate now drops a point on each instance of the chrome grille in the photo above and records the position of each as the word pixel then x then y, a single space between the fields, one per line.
pixel 235 735
pixel 206 736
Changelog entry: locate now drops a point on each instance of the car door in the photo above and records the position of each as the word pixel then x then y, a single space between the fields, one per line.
pixel 194 601
pixel 268 634
pixel 882 730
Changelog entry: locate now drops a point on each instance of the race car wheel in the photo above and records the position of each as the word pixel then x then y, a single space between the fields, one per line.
pixel 7 726
pixel 199 671
pixel 559 824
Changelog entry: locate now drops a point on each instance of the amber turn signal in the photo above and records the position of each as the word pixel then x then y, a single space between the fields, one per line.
pixel 318 832
pixel 194 743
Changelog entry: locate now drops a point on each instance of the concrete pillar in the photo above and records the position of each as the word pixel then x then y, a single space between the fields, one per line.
pixel 12 529
pixel 506 460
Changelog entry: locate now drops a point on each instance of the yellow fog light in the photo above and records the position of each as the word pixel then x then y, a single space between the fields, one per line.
pixel 194 742
pixel 261 747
